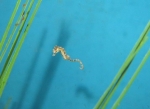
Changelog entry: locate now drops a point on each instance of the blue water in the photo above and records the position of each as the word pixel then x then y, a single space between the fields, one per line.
pixel 101 33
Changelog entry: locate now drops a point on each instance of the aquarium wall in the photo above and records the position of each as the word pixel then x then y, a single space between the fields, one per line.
pixel 72 52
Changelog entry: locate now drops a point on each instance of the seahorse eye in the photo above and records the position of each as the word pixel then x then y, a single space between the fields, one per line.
pixel 55 50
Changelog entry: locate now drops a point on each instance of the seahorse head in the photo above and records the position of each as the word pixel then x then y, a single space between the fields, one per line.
pixel 56 50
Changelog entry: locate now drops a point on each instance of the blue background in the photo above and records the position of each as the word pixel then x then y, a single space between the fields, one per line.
pixel 101 33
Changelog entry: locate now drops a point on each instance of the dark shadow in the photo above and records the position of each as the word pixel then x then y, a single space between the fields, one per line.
pixel 82 90
pixel 51 68
pixel 31 71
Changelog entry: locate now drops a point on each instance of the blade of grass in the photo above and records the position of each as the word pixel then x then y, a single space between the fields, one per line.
pixel 12 34
pixel 9 24
pixel 8 69
pixel 131 81
pixel 103 101
pixel 139 45
pixel 4 73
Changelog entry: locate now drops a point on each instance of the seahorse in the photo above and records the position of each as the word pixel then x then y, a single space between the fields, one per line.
pixel 65 56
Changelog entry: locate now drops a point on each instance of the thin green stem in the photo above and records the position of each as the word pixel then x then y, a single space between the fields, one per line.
pixel 103 101
pixel 9 24
pixel 131 80
pixel 12 34
pixel 14 52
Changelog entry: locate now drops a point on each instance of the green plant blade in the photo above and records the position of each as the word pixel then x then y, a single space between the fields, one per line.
pixel 15 51
pixel 103 101
pixel 131 81
pixel 12 34
pixel 9 24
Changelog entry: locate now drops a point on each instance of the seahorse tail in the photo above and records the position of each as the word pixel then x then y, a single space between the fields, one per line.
pixel 81 65
pixel 72 60
pixel 77 60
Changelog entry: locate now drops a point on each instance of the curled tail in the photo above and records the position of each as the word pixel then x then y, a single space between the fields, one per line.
pixel 77 60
